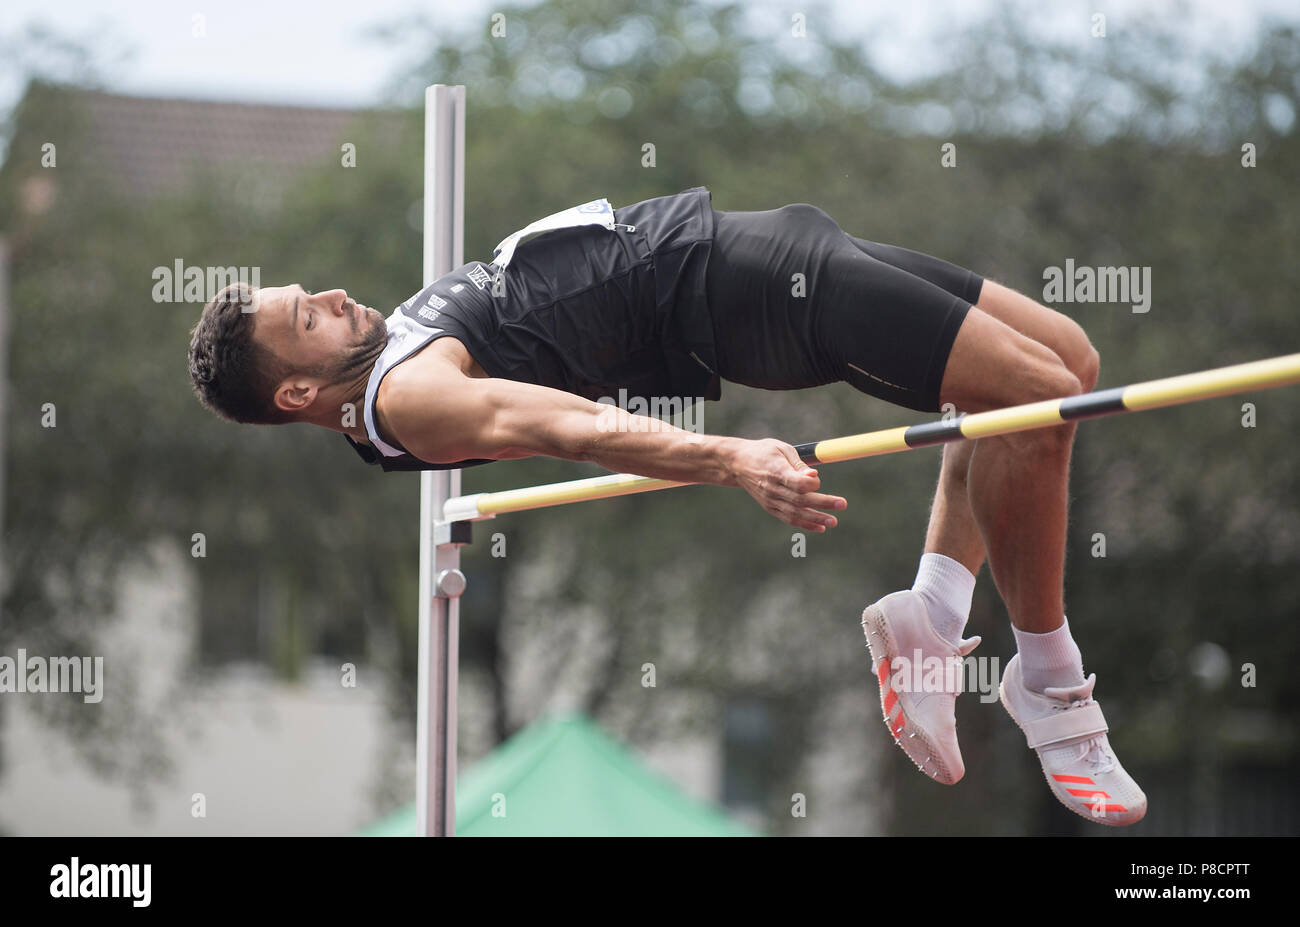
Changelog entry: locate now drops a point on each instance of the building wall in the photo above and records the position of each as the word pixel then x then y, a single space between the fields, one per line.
pixel 268 757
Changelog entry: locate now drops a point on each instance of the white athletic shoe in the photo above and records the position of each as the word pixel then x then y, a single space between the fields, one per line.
pixel 920 677
pixel 1068 731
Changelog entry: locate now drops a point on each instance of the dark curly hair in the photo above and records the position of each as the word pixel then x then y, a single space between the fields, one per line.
pixel 233 374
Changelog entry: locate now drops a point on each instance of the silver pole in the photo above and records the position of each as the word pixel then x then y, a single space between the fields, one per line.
pixel 440 578
pixel 4 403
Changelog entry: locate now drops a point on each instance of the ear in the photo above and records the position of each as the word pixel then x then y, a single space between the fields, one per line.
pixel 296 396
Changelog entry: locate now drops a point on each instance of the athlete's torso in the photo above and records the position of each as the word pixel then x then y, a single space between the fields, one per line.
pixel 615 303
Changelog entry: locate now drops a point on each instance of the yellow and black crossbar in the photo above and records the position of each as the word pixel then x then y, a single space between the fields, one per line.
pixel 1191 387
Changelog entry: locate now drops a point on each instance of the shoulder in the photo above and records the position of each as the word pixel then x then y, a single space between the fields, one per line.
pixel 417 397
pixel 438 362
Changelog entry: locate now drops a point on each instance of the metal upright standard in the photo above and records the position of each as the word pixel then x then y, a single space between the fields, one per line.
pixel 441 581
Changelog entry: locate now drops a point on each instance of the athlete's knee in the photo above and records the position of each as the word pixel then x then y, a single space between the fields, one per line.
pixel 1071 344
pixel 1048 380
pixel 1057 331
pixel 1033 379
pixel 1079 355
pixel 1054 381
pixel 992 367
pixel 1089 369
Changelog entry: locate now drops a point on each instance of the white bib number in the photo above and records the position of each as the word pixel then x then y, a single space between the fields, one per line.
pixel 597 212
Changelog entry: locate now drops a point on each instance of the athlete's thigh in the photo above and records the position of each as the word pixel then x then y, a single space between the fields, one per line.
pixel 1046 326
pixel 885 331
pixel 944 274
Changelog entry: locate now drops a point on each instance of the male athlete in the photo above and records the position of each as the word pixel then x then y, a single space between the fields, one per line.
pixel 668 297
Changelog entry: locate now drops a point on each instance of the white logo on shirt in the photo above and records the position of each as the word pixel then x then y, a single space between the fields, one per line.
pixel 431 306
pixel 479 276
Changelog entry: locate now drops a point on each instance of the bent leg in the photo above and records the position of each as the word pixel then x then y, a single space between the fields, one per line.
pixel 1017 485
pixel 952 530
pixel 1002 498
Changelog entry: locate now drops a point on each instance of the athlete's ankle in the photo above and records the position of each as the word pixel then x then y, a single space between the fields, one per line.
pixel 946 587
pixel 1049 660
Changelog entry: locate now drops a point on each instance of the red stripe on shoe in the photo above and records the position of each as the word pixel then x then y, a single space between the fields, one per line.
pixel 891 699
pixel 1083 779
pixel 1088 793
pixel 882 672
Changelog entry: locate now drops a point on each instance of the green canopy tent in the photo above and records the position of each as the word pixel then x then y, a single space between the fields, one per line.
pixel 564 776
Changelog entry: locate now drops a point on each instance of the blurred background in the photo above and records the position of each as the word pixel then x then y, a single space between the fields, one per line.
pixel 253 591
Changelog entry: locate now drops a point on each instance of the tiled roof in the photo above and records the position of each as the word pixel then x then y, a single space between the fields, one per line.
pixel 155 146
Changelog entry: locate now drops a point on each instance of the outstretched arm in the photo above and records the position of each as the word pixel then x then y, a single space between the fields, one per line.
pixel 441 416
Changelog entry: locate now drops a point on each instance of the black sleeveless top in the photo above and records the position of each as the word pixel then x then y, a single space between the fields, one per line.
pixel 588 310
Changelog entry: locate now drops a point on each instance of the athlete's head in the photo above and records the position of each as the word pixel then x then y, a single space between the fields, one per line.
pixel 272 355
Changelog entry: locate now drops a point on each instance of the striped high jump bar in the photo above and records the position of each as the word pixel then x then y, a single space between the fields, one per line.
pixel 1154 394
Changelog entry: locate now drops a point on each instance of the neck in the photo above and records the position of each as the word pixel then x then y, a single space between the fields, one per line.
pixel 331 408
pixel 341 405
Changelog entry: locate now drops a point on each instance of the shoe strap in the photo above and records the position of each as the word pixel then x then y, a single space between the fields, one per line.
pixel 1080 721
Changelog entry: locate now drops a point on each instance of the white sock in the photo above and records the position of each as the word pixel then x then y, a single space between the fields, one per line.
pixel 1051 659
pixel 946 587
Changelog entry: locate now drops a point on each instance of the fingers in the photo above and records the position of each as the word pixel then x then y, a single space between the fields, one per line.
pixel 805 519
pixel 818 500
pixel 791 494
pixel 800 498
pixel 801 510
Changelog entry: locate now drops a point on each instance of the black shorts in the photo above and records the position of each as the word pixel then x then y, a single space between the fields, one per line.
pixel 879 317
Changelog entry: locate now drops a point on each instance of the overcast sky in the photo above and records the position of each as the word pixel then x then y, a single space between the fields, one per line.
pixel 319 52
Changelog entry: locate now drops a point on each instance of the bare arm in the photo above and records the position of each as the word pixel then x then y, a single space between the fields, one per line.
pixel 442 416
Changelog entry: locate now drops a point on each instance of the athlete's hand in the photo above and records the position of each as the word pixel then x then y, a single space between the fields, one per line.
pixel 771 472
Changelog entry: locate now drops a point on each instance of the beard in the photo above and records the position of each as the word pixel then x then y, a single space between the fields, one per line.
pixel 353 362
